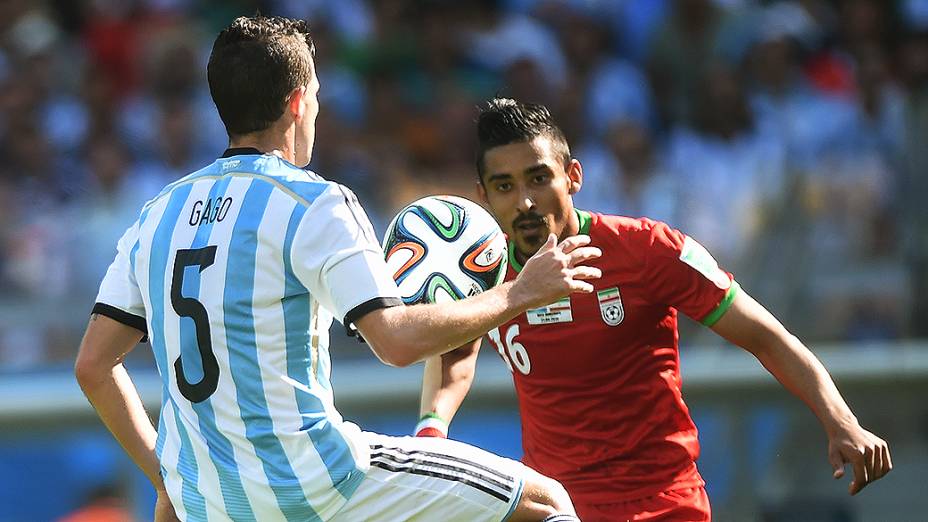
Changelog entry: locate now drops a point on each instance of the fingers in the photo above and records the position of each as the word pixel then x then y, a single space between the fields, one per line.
pixel 586 272
pixel 878 466
pixel 572 242
pixel 881 461
pixel 871 464
pixel 868 455
pixel 580 287
pixel 887 459
pixel 550 243
pixel 872 459
pixel 583 254
pixel 837 463
pixel 578 276
pixel 861 476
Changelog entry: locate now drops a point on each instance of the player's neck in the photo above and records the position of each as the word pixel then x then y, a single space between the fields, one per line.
pixel 268 143
pixel 573 225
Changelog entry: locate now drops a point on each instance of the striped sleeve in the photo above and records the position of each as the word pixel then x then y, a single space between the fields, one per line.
pixel 119 297
pixel 336 256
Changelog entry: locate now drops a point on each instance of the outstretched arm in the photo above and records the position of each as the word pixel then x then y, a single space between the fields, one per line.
pixel 749 325
pixel 106 384
pixel 446 380
pixel 403 335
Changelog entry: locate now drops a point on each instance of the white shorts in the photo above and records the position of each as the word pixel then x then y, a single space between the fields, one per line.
pixel 432 479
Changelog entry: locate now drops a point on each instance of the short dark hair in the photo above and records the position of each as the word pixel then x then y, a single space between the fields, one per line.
pixel 504 120
pixel 255 63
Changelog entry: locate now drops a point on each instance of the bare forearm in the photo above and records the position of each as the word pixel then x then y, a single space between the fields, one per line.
pixel 426 330
pixel 403 335
pixel 750 326
pixel 432 399
pixel 446 380
pixel 800 372
pixel 119 406
pixel 458 323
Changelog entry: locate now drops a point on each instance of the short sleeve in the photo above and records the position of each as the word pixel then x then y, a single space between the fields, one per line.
pixel 336 255
pixel 119 297
pixel 682 273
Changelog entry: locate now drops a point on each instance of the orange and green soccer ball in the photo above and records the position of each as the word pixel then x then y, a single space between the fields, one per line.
pixel 444 247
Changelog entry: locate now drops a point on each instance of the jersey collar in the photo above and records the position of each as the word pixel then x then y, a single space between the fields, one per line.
pixel 240 151
pixel 585 220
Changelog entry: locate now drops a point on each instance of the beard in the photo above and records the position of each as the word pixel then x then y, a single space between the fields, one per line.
pixel 531 230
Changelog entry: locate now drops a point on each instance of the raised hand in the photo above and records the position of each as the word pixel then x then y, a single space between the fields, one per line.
pixel 558 269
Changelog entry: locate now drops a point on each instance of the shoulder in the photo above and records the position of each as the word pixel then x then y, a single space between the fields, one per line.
pixel 333 206
pixel 301 184
pixel 634 232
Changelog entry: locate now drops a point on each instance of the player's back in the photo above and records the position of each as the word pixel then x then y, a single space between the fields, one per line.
pixel 248 427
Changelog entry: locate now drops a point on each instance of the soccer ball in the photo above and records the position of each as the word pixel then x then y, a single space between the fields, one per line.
pixel 443 248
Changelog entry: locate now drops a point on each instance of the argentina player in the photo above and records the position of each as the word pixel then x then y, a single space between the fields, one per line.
pixel 234 273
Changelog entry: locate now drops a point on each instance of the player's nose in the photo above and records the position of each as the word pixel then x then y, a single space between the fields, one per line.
pixel 526 203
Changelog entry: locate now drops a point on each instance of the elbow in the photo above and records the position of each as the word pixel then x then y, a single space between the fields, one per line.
pixel 382 330
pixel 90 371
pixel 85 372
pixel 393 355
pixel 395 350
pixel 399 362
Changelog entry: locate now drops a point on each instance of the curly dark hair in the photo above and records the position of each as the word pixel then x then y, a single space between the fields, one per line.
pixel 255 63
pixel 504 120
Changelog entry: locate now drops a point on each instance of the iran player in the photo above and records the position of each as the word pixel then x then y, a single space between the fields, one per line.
pixel 597 375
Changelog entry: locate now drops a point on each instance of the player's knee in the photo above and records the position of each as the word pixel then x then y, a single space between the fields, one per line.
pixel 541 498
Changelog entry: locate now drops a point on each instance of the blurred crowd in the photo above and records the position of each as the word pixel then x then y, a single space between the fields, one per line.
pixel 789 137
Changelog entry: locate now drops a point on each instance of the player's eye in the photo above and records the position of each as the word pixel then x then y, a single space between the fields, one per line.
pixel 541 178
pixel 503 187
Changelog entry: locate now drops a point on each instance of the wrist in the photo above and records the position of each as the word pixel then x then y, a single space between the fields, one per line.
pixel 432 425
pixel 840 424
pixel 518 296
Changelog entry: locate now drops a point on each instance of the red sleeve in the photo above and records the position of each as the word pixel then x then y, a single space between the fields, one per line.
pixel 680 272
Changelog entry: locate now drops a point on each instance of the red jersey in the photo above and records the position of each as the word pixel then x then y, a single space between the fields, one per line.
pixel 598 375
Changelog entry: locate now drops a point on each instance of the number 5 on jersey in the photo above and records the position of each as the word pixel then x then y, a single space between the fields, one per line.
pixel 512 351
pixel 190 307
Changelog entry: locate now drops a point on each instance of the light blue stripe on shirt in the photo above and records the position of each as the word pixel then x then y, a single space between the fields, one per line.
pixel 242 345
pixel 133 256
pixel 221 452
pixel 193 500
pixel 194 503
pixel 328 442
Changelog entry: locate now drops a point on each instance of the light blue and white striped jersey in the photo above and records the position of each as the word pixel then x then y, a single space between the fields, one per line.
pixel 235 271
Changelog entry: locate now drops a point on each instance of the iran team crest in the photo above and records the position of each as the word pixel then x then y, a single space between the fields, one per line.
pixel 610 306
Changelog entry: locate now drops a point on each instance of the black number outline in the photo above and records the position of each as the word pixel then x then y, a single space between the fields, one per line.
pixel 194 309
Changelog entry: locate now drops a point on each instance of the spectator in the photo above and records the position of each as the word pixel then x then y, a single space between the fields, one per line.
pixel 913 214
pixel 688 41
pixel 626 176
pixel 732 171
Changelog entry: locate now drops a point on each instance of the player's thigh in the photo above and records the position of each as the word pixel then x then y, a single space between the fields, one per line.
pixel 431 479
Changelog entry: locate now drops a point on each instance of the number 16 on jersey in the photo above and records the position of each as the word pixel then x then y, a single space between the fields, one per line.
pixel 511 350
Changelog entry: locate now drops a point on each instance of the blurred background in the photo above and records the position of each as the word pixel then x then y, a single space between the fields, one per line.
pixel 788 137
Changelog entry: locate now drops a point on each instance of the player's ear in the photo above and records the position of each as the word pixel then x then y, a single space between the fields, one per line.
pixel 482 192
pixel 575 175
pixel 295 102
